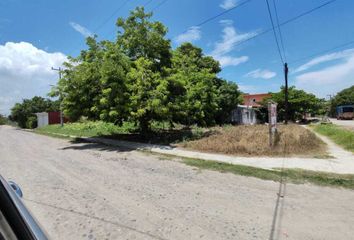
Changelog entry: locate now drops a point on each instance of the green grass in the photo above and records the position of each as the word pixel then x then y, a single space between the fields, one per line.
pixel 340 136
pixel 88 129
pixel 160 131
pixel 290 175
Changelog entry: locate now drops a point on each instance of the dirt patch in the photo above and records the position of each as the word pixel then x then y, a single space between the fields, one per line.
pixel 253 140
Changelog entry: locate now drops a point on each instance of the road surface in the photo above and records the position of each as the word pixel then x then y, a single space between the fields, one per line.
pixel 91 191
pixel 349 124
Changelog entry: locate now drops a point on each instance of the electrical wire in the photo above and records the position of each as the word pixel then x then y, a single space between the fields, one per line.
pixel 111 16
pixel 147 3
pixel 323 52
pixel 159 5
pixel 279 29
pixel 218 15
pixel 286 22
pixel 274 32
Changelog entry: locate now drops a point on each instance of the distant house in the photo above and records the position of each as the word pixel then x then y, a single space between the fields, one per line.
pixel 253 100
pixel 48 118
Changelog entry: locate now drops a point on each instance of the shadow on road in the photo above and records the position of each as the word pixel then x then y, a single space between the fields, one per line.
pixel 80 144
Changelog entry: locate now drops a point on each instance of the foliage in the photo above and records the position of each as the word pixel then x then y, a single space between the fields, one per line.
pixel 300 103
pixel 140 78
pixel 341 136
pixel 3 120
pixel 88 129
pixel 344 97
pixel 24 113
pixel 142 38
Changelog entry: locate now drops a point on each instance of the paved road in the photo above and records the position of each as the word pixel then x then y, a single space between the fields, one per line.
pixel 349 124
pixel 90 191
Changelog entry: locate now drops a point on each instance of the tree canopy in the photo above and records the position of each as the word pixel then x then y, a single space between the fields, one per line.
pixel 300 103
pixel 140 78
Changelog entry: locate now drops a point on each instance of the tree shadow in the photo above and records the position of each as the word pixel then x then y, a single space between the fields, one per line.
pixel 163 137
pixel 82 144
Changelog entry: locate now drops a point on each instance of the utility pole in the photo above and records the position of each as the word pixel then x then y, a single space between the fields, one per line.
pixel 60 98
pixel 286 71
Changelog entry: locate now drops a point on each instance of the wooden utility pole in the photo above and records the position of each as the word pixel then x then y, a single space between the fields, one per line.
pixel 286 71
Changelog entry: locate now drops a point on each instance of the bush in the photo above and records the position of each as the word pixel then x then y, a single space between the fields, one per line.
pixel 31 122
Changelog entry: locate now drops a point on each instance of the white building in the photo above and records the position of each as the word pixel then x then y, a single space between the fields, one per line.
pixel 42 119
pixel 244 115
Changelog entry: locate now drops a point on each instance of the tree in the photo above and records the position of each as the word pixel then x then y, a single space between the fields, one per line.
pixel 148 94
pixel 24 113
pixel 143 38
pixel 344 97
pixel 3 120
pixel 300 103
pixel 201 97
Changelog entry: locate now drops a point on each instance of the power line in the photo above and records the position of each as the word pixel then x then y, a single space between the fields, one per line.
pixel 286 22
pixel 279 30
pixel 159 5
pixel 147 3
pixel 324 51
pixel 274 32
pixel 218 15
pixel 111 16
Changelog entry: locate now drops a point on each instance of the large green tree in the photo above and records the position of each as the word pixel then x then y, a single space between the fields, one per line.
pixel 138 37
pixel 140 78
pixel 201 97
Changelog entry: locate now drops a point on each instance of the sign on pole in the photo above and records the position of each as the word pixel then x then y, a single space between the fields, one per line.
pixel 272 119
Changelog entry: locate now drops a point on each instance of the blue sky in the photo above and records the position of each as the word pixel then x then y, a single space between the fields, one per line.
pixel 38 34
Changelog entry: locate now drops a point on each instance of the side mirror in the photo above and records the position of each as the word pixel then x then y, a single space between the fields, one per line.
pixel 16 188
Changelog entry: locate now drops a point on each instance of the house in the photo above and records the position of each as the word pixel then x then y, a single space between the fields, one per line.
pixel 244 115
pixel 48 118
pixel 253 100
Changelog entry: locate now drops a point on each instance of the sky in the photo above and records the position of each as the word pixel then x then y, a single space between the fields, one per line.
pixel 36 35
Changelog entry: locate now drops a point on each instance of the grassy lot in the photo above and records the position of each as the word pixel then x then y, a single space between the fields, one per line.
pixel 341 136
pixel 235 140
pixel 253 140
pixel 290 175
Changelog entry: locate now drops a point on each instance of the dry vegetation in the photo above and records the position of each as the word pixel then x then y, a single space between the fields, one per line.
pixel 253 140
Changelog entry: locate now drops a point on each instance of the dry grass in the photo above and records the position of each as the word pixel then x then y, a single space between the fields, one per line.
pixel 253 141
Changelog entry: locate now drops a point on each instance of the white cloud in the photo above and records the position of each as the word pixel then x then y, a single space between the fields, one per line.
pixel 228 4
pixel 328 80
pixel 230 38
pixel 325 58
pixel 231 61
pixel 259 73
pixel 193 34
pixel 82 30
pixel 25 71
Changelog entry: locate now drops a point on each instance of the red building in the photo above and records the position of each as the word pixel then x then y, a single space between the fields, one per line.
pixel 253 100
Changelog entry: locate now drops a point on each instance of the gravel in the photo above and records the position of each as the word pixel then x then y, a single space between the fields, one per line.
pixel 92 191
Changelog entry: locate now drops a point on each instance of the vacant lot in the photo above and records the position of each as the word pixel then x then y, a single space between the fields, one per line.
pixel 253 140
pixel 339 135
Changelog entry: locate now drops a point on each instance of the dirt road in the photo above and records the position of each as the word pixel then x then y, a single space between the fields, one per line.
pixel 90 191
